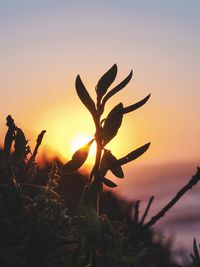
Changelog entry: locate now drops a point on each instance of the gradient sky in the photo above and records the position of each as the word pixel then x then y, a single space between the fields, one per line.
pixel 45 44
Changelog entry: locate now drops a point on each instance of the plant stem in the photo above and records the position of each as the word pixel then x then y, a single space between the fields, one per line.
pixel 32 159
pixel 192 182
pixel 97 181
pixel 147 209
pixel 97 174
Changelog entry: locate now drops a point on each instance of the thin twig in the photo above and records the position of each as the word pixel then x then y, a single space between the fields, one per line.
pixel 192 182
pixel 136 215
pixel 32 159
pixel 147 210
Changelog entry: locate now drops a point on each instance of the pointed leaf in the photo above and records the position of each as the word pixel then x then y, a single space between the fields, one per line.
pixel 110 162
pixel 8 143
pixel 112 123
pixel 84 96
pixel 20 142
pixel 134 154
pixel 117 171
pixel 40 137
pixel 38 143
pixel 136 105
pixel 78 159
pixel 117 88
pixel 105 81
pixel 9 138
pixel 108 183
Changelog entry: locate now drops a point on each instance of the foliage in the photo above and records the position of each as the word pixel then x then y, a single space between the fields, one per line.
pixel 36 227
pixel 106 129
pixel 36 230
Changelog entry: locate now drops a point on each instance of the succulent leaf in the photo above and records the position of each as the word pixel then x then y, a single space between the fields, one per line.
pixel 84 96
pixel 110 162
pixel 134 154
pixel 117 88
pixel 105 81
pixel 108 183
pixel 136 105
pixel 112 123
pixel 78 159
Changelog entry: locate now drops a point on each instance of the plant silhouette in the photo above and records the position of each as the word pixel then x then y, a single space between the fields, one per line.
pixel 106 129
pixel 37 227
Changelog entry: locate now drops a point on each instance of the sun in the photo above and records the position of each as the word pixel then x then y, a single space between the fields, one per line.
pixel 79 141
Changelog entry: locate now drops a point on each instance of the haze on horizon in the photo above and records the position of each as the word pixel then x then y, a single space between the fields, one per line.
pixel 45 44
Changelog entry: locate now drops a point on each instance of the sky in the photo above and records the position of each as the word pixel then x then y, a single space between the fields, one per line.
pixel 46 44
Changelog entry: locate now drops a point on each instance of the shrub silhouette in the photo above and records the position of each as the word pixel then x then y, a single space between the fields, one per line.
pixel 36 228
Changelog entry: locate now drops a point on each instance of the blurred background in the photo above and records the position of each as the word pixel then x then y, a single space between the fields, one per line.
pixel 45 44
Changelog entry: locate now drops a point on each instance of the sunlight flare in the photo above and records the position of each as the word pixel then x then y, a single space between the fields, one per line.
pixel 79 141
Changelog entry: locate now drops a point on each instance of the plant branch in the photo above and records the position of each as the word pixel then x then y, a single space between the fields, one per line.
pixel 192 182
pixel 38 143
pixel 136 215
pixel 147 210
pixel 32 159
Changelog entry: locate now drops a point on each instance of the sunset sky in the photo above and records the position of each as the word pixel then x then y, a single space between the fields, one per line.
pixel 45 44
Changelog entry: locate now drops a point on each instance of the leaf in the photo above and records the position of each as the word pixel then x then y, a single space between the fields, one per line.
pixel 8 143
pixel 105 81
pixel 134 154
pixel 117 88
pixel 108 183
pixel 38 143
pixel 110 162
pixel 136 105
pixel 84 96
pixel 78 159
pixel 9 138
pixel 20 142
pixel 112 123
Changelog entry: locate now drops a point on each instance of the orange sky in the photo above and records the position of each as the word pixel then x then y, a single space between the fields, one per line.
pixel 45 44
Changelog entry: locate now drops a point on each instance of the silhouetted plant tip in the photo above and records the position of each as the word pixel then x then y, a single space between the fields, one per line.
pixel 105 82
pixel 30 169
pixel 9 136
pixel 38 143
pixel 116 89
pixel 106 129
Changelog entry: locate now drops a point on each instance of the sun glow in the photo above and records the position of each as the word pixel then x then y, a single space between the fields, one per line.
pixel 66 134
pixel 81 140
